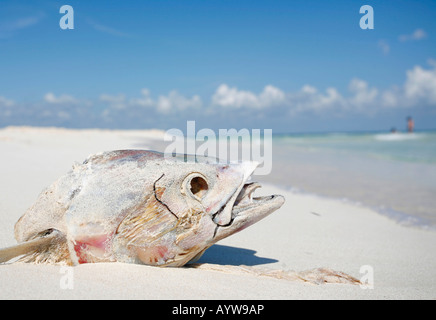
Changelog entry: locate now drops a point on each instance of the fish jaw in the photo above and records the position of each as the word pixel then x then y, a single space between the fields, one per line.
pixel 245 170
pixel 248 213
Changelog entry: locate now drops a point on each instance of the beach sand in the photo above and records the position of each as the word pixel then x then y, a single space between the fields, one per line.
pixel 307 232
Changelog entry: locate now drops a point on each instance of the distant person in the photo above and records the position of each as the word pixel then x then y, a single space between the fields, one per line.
pixel 410 124
pixel 394 130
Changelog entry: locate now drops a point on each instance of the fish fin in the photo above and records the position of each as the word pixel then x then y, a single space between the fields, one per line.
pixel 49 246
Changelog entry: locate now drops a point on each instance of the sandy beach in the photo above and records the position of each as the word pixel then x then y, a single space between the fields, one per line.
pixel 308 232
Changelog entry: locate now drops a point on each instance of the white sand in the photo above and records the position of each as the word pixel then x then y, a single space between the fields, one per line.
pixel 306 233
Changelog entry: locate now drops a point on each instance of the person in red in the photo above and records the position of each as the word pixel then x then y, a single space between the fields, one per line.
pixel 410 124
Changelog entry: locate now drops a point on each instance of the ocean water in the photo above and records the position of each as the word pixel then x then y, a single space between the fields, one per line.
pixel 393 173
pixel 413 147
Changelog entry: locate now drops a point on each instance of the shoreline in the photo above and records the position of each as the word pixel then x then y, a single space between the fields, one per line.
pixel 399 189
pixel 398 217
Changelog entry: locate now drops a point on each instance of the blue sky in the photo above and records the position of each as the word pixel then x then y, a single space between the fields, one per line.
pixel 288 65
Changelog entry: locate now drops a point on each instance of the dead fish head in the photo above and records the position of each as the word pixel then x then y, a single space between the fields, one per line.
pixel 139 207
pixel 197 204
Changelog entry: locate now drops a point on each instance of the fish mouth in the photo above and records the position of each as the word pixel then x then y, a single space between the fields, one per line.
pixel 247 210
pixel 245 198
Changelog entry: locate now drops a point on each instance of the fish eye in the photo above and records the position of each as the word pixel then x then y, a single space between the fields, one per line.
pixel 198 186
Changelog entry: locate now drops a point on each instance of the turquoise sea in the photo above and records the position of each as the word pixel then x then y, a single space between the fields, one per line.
pixel 410 147
pixel 394 173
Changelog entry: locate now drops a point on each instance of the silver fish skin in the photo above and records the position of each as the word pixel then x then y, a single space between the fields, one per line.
pixel 137 206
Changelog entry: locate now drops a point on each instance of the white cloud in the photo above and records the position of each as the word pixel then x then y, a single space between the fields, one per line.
pixel 363 95
pixel 421 85
pixel 271 96
pixel 309 99
pixel 232 97
pixel 307 89
pixel 62 99
pixel 175 101
pixel 417 90
pixel 225 96
pixel 144 101
pixel 331 99
pixel 418 34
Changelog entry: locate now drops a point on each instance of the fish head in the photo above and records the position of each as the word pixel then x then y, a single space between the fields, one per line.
pixel 194 205
pixel 138 206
